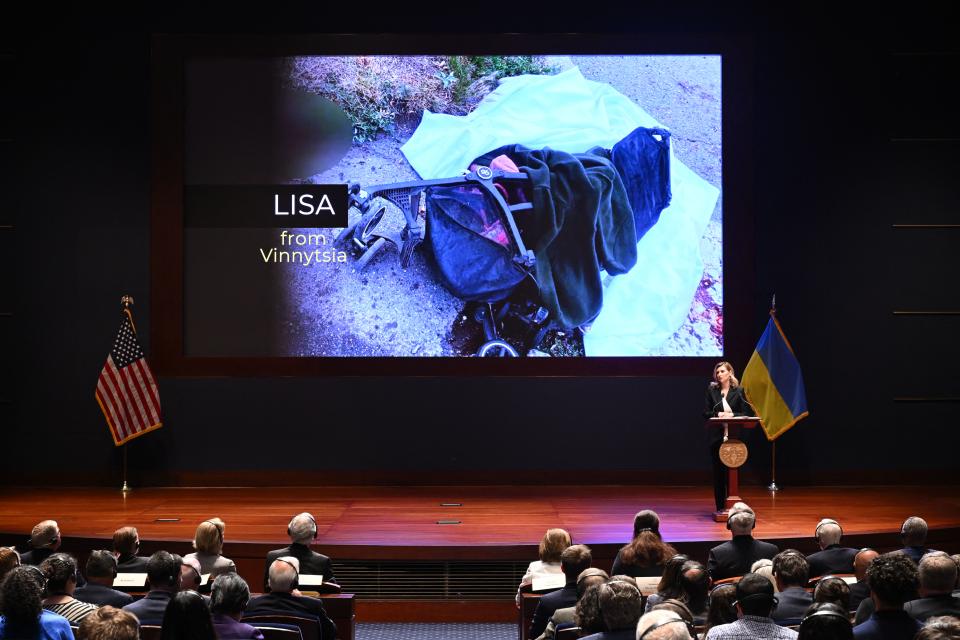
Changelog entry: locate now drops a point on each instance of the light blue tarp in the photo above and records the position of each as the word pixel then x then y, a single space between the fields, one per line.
pixel 643 307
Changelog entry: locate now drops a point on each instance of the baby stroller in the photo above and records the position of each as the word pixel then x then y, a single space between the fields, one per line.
pixel 477 244
pixel 481 249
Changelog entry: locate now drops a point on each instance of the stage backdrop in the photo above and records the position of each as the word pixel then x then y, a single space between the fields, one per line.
pixel 848 153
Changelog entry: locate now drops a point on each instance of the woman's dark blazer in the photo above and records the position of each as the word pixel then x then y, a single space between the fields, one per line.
pixel 735 398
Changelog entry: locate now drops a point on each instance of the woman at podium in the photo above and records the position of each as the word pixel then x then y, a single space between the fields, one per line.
pixel 724 399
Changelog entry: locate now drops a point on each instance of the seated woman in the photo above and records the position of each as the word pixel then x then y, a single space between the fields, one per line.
pixel 60 570
pixel 23 615
pixel 647 553
pixel 669 586
pixel 551 546
pixel 208 542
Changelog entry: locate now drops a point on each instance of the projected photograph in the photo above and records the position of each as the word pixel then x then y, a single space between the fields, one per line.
pixel 497 206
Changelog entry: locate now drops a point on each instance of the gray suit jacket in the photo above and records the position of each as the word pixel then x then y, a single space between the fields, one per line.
pixel 213 564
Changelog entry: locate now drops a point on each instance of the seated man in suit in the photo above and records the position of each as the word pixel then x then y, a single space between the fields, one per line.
pixel 302 531
pixel 735 557
pixel 913 534
pixel 44 541
pixel 573 561
pixel 938 575
pixel 101 571
pixel 163 578
pixel 791 571
pixel 621 607
pixel 126 543
pixel 285 600
pixel 832 558
pixel 893 581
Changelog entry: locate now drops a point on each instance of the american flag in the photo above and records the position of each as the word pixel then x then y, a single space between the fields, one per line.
pixel 126 390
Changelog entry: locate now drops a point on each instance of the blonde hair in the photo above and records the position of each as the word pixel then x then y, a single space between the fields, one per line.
pixel 733 378
pixel 209 536
pixel 554 542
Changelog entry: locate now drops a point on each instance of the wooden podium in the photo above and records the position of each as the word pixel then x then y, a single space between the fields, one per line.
pixel 733 477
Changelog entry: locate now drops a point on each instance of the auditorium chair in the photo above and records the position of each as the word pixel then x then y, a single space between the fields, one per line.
pixel 150 632
pixel 568 633
pixel 309 628
pixel 278 633
pixel 849 578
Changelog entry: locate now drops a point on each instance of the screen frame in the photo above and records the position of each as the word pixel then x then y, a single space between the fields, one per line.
pixel 168 59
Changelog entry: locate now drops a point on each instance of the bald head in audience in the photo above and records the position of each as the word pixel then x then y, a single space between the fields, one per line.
pixel 862 561
pixel 283 574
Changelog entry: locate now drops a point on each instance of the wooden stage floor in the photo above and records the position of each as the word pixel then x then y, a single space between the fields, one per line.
pixel 354 521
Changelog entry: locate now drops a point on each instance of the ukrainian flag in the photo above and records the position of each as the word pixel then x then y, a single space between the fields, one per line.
pixel 773 382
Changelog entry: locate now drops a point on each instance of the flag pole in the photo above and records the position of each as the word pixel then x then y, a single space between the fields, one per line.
pixel 773 449
pixel 126 302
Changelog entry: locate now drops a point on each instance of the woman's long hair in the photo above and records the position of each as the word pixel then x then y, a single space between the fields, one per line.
pixel 647 550
pixel 669 585
pixel 722 610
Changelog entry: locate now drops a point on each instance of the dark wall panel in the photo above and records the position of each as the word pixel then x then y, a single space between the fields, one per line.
pixel 828 188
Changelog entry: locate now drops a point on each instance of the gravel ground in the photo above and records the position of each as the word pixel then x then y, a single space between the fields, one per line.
pixel 390 311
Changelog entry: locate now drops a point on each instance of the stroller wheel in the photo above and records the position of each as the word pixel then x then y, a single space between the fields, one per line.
pixel 496 349
pixel 364 231
pixel 370 254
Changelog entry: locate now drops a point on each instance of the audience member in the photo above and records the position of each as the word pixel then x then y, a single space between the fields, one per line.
pixel 723 608
pixel 678 607
pixel 45 539
pixel 60 570
pixel 101 572
pixel 621 607
pixel 23 616
pixel 190 574
pixel 734 558
pixel 283 599
pixel 938 575
pixel 832 558
pixel 551 546
pixel 228 600
pixel 208 542
pixel 893 581
pixel 566 617
pixel 791 571
pixel 826 621
pixel 647 553
pixel 755 601
pixel 302 531
pixel 669 585
pixel 9 558
pixel 956 561
pixel 163 578
pixel 573 561
pixel 662 624
pixel 764 567
pixel 913 535
pixel 587 613
pixel 695 590
pixel 940 628
pixel 187 618
pixel 835 590
pixel 126 544
pixel 860 590
pixel 109 623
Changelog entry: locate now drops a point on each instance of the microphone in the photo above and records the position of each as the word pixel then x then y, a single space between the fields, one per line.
pixel 714 409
